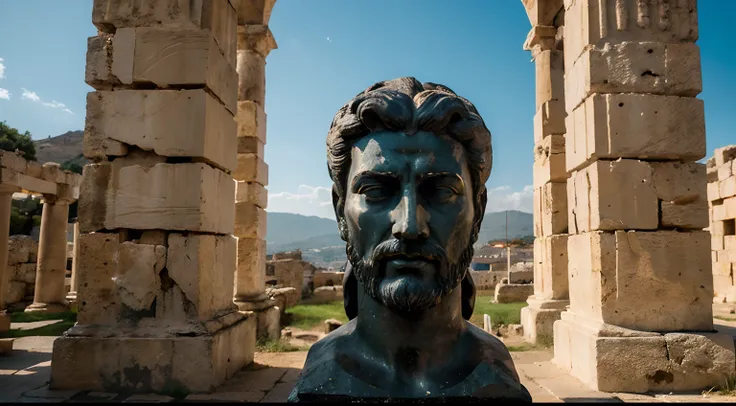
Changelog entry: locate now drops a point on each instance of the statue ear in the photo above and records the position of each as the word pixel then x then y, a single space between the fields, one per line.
pixel 339 206
pixel 350 292
pixel 480 210
pixel 467 291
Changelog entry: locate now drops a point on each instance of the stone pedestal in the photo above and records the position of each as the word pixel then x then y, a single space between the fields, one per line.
pixel 156 255
pixel 254 43
pixel 71 297
pixel 49 295
pixel 539 317
pixel 615 359
pixel 639 263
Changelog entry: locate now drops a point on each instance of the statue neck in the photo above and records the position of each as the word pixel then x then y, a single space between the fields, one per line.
pixel 410 343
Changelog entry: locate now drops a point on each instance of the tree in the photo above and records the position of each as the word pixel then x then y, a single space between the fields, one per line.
pixel 75 164
pixel 11 140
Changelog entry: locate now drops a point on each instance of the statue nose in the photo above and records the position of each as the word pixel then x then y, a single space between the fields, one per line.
pixel 410 220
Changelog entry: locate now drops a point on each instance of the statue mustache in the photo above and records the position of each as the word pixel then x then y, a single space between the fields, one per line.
pixel 427 250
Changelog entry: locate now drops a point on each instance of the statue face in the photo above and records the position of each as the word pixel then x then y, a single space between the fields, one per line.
pixel 409 213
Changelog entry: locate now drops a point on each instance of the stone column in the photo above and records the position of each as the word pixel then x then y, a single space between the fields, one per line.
pixel 71 297
pixel 156 259
pixel 639 264
pixel 49 293
pixel 721 172
pixel 550 198
pixel 255 41
pixel 6 199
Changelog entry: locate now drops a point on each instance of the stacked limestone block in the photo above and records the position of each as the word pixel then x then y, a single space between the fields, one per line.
pixel 640 315
pixel 550 197
pixel 156 256
pixel 254 42
pixel 721 169
pixel 22 250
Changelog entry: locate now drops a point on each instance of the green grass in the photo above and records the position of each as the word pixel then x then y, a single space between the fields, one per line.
pixel 281 345
pixel 501 313
pixel 307 317
pixel 727 389
pixel 57 329
pixel 726 318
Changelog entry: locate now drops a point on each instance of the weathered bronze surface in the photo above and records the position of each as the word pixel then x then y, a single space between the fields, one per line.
pixel 409 162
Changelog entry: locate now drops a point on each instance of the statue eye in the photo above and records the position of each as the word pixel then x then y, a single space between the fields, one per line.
pixel 444 193
pixel 374 192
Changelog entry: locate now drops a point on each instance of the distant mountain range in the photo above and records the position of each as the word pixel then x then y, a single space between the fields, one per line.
pixel 62 148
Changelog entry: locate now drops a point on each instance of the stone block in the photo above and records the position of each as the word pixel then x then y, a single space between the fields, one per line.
pixel 539 323
pixel 116 279
pixel 550 267
pixel 724 171
pixel 716 242
pixel 250 279
pixel 644 126
pixel 513 293
pixel 320 279
pixel 627 20
pixel 550 76
pixel 635 67
pixel 269 323
pixel 251 168
pixel 549 119
pixel 172 123
pixel 542 12
pixel 218 16
pixel 727 187
pixel 612 274
pixel 13 161
pixel 251 145
pixel 20 249
pixel 250 221
pixel 251 192
pixel 14 292
pixel 23 272
pixel 166 365
pixel 326 294
pixel 186 197
pixel 551 199
pixel 681 190
pixel 166 57
pixel 612 195
pixel 714 191
pixel 723 155
pixel 203 267
pixel 251 120
pixel 252 73
pixel 658 363
pixel 549 160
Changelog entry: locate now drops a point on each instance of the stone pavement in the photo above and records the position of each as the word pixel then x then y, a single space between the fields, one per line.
pixel 24 376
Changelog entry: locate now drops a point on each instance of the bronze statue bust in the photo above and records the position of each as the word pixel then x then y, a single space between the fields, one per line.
pixel 409 162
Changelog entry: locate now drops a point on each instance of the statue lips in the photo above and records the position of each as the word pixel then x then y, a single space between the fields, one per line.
pixel 409 265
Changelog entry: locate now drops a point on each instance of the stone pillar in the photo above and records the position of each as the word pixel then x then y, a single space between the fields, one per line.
pixel 721 172
pixel 6 200
pixel 550 198
pixel 49 294
pixel 156 259
pixel 71 297
pixel 255 41
pixel 639 264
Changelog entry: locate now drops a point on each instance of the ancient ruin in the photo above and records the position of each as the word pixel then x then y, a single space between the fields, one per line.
pixel 170 263
pixel 59 188
pixel 721 172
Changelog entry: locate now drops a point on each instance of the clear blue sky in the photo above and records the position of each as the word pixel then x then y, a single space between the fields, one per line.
pixel 329 50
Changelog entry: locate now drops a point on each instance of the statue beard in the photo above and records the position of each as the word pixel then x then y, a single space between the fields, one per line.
pixel 409 295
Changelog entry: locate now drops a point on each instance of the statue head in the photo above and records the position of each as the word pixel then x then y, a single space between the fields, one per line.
pixel 409 162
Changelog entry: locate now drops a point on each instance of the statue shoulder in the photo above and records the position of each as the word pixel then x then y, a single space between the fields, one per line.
pixel 494 350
